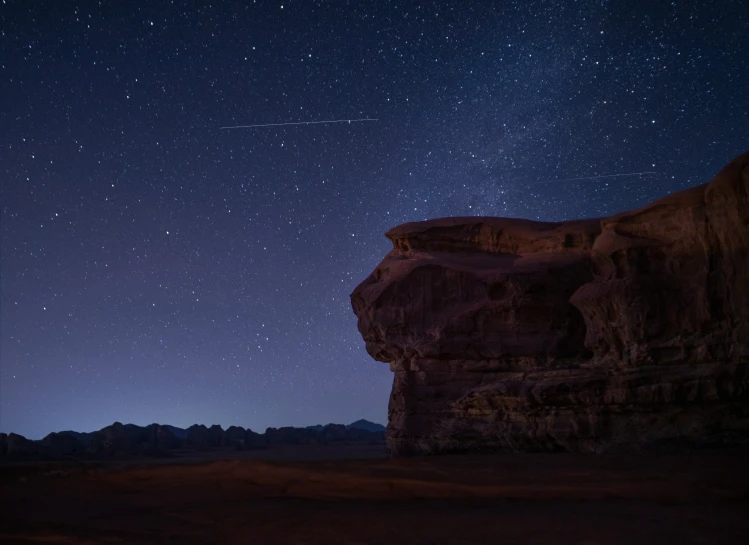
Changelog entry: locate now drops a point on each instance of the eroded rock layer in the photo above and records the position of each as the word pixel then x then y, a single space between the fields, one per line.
pixel 626 332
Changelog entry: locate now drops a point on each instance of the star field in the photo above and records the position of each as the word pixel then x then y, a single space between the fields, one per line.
pixel 156 268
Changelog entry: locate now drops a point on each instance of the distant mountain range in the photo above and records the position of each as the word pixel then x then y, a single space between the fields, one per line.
pixel 129 440
pixel 179 433
pixel 367 425
pixel 358 425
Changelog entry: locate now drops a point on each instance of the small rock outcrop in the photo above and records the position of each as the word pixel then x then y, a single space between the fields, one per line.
pixel 624 333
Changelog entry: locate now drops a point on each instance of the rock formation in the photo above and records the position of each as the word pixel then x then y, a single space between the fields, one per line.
pixel 621 333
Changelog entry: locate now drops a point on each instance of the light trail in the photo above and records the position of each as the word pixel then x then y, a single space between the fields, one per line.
pixel 595 177
pixel 300 123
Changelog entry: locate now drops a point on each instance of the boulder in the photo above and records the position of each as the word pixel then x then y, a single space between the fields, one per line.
pixel 624 333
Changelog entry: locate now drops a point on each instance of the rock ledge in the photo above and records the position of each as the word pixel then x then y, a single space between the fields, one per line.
pixel 624 333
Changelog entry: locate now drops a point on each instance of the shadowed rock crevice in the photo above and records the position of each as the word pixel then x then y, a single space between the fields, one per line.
pixel 627 332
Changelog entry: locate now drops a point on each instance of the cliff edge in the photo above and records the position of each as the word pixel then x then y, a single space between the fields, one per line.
pixel 624 333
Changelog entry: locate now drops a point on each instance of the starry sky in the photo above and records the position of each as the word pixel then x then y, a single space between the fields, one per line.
pixel 156 268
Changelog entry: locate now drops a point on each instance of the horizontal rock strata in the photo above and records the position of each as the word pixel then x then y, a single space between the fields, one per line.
pixel 622 333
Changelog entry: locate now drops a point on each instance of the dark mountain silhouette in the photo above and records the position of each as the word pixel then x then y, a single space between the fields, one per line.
pixel 358 425
pixel 179 433
pixel 129 440
pixel 84 438
pixel 367 425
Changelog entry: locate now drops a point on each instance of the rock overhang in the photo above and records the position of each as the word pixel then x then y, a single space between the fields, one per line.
pixel 468 309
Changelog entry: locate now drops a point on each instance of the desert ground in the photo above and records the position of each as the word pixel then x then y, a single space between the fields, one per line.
pixel 355 495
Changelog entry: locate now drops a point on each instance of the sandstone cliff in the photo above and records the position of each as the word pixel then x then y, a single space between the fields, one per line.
pixel 626 332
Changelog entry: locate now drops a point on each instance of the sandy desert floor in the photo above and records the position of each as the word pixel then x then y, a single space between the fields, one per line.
pixel 353 495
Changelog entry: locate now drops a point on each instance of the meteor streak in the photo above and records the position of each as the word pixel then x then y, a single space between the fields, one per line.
pixel 300 123
pixel 595 177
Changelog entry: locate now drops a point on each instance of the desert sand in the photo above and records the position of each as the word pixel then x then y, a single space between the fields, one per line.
pixel 355 495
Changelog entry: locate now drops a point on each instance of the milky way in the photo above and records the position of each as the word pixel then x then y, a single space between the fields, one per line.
pixel 156 268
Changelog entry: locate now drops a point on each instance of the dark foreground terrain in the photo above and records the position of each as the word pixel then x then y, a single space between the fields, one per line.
pixel 353 495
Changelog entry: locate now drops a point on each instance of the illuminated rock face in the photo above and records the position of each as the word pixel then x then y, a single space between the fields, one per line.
pixel 620 333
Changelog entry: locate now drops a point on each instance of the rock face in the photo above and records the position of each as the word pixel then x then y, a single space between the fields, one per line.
pixel 622 333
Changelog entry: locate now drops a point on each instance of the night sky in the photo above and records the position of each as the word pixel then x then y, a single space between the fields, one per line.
pixel 156 268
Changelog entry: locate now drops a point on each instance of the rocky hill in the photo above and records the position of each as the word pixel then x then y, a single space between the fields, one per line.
pixel 624 333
